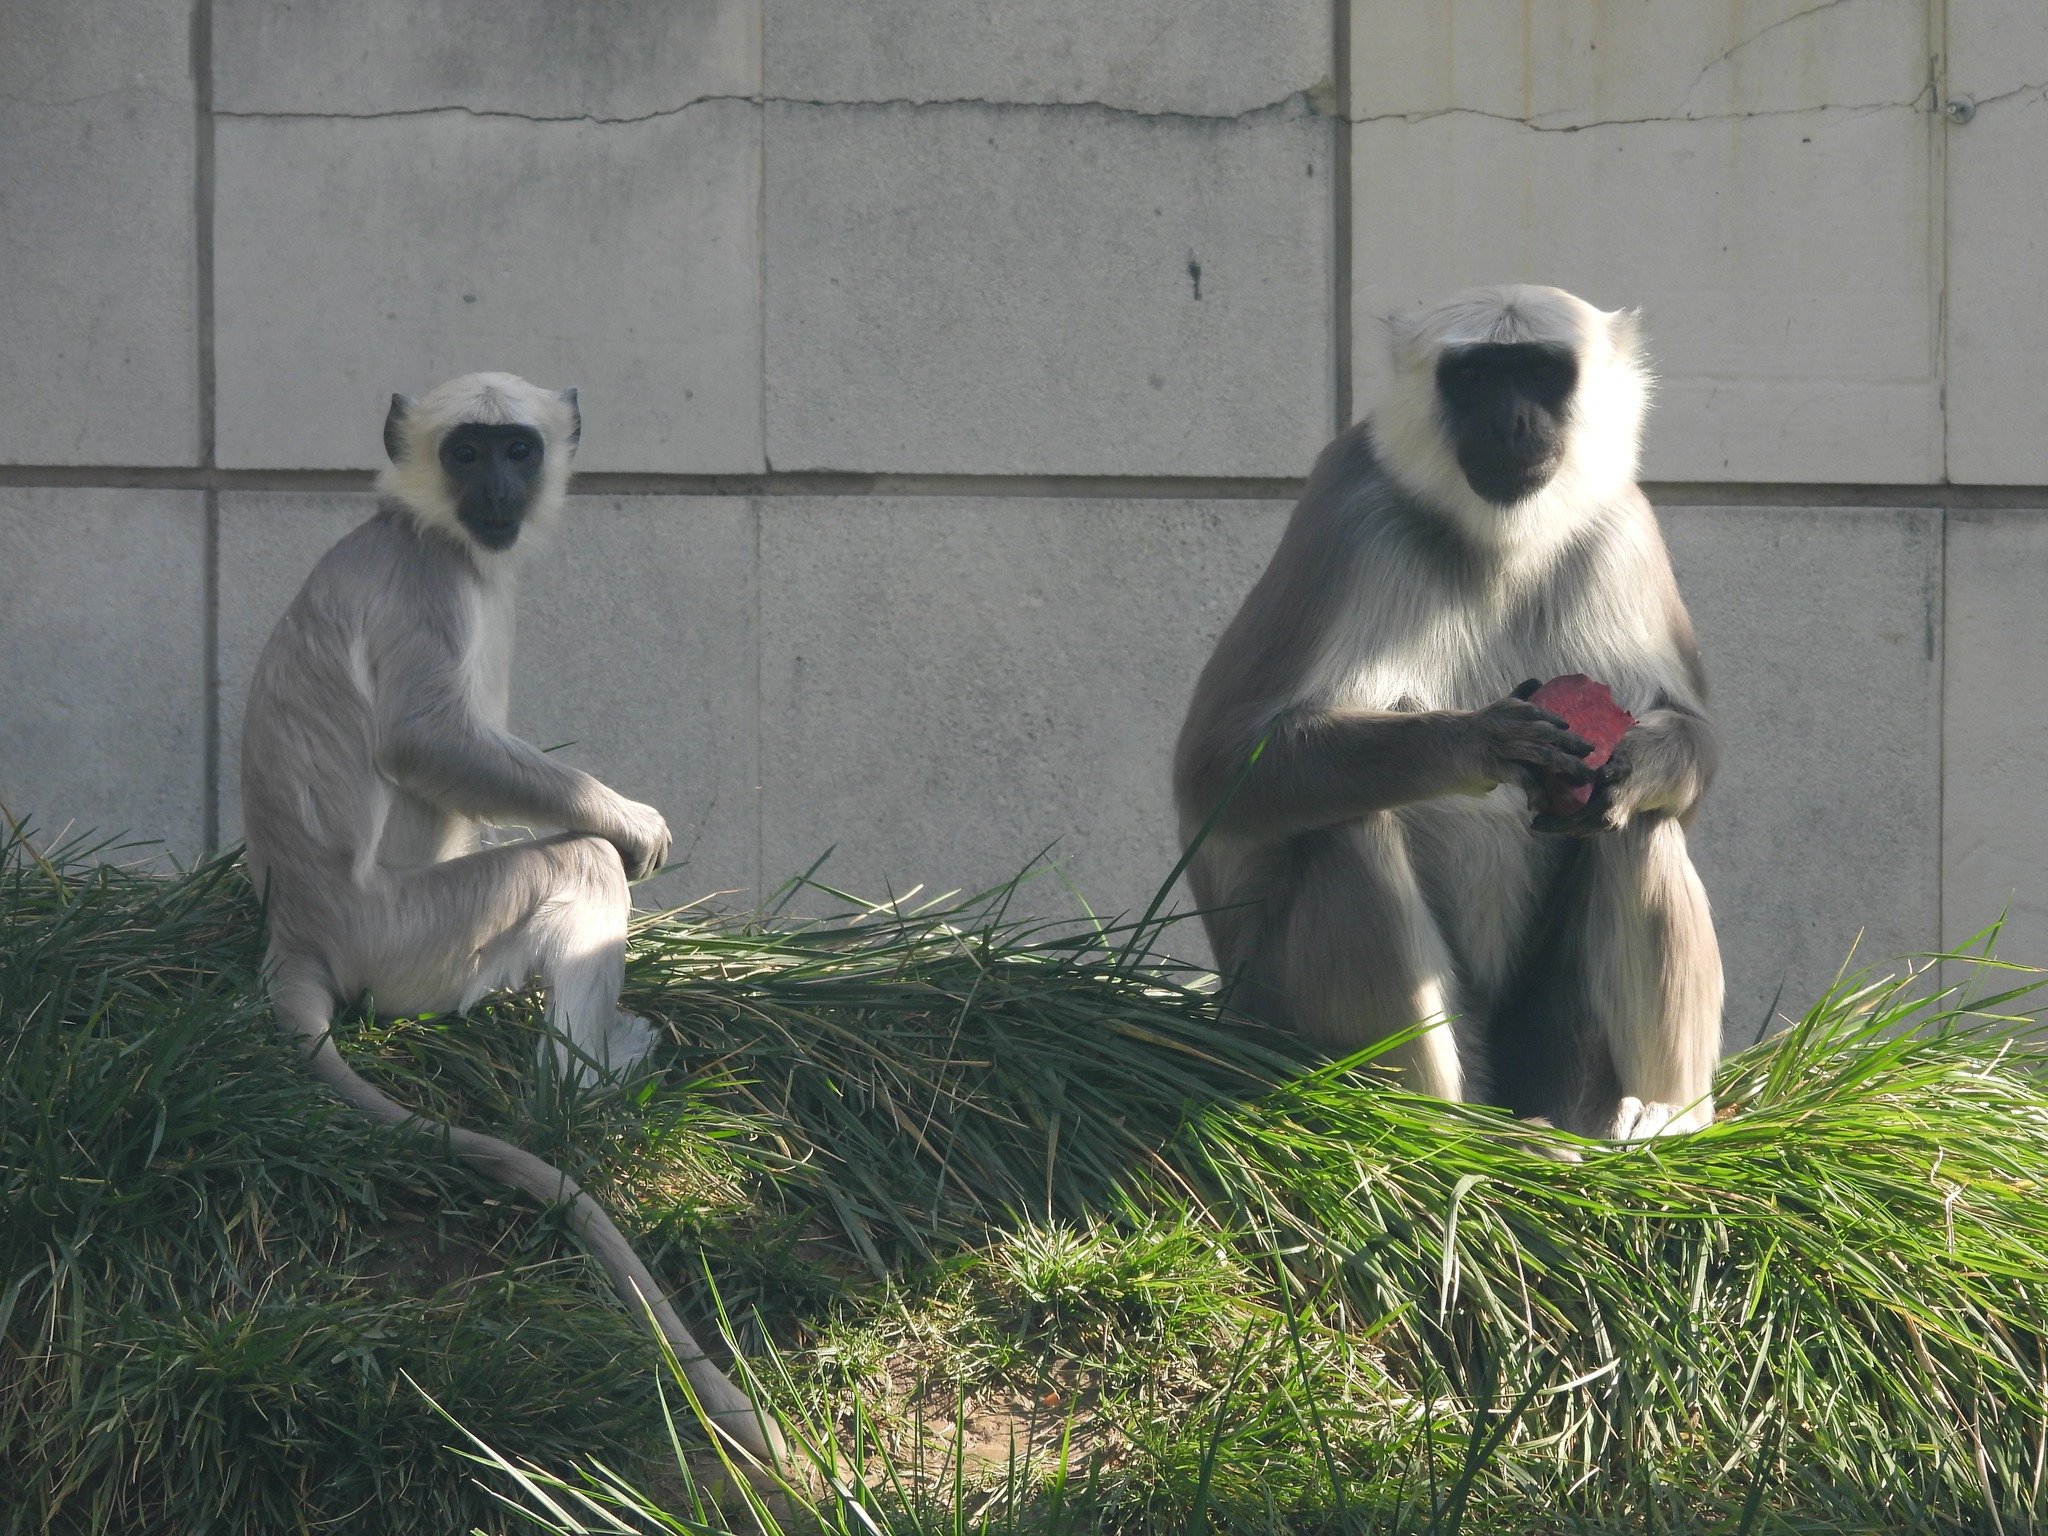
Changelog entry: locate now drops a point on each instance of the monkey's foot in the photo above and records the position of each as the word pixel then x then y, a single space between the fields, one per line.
pixel 1556 1151
pixel 608 1054
pixel 1638 1120
pixel 630 1041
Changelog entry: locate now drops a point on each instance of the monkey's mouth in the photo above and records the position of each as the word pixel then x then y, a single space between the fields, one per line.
pixel 492 532
pixel 1505 479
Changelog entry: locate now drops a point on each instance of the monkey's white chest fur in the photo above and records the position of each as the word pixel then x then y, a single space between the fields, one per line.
pixel 487 647
pixel 1413 641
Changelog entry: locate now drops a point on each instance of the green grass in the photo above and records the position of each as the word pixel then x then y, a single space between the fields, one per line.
pixel 1018 1236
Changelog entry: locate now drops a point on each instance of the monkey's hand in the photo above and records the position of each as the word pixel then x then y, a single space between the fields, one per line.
pixel 1659 768
pixel 1516 742
pixel 1608 810
pixel 642 838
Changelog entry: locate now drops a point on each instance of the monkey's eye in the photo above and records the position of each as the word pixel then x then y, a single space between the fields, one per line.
pixel 519 450
pixel 465 453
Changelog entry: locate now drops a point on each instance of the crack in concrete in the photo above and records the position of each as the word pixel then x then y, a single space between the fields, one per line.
pixel 458 109
pixel 1755 37
pixel 1924 100
pixel 2019 90
pixel 1303 103
pixel 1538 125
pixel 1309 103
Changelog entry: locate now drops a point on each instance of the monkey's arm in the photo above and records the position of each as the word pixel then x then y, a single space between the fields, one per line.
pixel 431 741
pixel 1320 766
pixel 1671 757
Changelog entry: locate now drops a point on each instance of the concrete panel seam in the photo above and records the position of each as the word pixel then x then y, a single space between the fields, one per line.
pixel 203 194
pixel 761 286
pixel 662 483
pixel 1943 936
pixel 760 799
pixel 209 677
pixel 203 198
pixel 1937 241
pixel 1340 217
pixel 823 482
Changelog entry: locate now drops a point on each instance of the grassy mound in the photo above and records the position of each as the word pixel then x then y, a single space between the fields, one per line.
pixel 1019 1234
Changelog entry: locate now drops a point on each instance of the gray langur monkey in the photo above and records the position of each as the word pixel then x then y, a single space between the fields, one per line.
pixel 374 746
pixel 1378 867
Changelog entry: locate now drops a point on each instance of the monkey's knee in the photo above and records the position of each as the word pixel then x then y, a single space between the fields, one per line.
pixel 593 854
pixel 591 868
pixel 1358 955
pixel 1652 972
pixel 582 919
pixel 582 963
pixel 1342 996
pixel 302 996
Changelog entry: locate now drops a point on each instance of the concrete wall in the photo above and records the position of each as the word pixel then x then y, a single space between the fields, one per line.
pixel 949 367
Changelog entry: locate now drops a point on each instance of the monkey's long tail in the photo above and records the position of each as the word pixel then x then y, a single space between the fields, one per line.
pixel 305 1017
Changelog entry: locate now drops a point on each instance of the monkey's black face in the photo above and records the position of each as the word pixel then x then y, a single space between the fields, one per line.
pixel 493 473
pixel 1506 408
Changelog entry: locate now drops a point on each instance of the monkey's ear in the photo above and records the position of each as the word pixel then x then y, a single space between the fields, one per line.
pixel 568 398
pixel 1403 330
pixel 394 427
pixel 1625 333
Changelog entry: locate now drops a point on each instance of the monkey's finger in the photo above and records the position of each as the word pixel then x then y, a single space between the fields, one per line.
pixel 1566 766
pixel 1524 689
pixel 1577 745
pixel 1545 717
pixel 1550 761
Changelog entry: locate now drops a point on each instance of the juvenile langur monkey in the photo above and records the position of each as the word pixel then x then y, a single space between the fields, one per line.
pixel 1378 866
pixel 374 746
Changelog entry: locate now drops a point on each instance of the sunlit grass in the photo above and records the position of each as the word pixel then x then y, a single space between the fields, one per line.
pixel 1018 1236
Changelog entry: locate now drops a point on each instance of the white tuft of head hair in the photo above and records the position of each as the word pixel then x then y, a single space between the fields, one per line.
pixel 414 476
pixel 1605 429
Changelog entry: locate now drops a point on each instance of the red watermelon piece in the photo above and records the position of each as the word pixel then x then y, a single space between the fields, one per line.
pixel 1589 709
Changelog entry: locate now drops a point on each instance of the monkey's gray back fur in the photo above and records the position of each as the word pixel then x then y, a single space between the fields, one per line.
pixel 320 813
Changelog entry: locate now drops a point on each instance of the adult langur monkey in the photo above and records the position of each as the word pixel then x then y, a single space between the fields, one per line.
pixel 375 744
pixel 1378 865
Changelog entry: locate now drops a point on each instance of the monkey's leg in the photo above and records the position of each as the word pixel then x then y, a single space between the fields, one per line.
pixel 439 937
pixel 1651 971
pixel 1350 954
pixel 446 934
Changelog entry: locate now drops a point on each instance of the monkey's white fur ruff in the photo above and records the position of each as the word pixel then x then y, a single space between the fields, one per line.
pixel 1607 410
pixel 415 477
